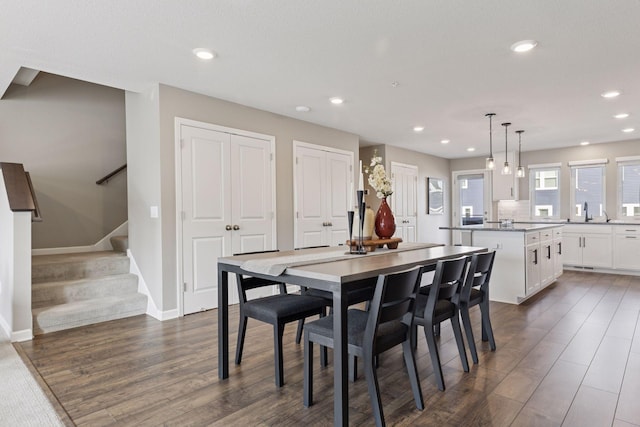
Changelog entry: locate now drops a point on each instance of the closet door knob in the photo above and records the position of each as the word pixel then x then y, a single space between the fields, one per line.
pixel 228 228
pixel 236 227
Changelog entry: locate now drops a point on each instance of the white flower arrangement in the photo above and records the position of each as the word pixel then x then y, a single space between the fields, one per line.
pixel 378 178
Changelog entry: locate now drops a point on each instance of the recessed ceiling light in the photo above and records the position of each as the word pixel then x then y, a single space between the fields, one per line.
pixel 444 141
pixel 418 128
pixel 524 46
pixel 336 100
pixel 303 108
pixel 584 143
pixel 628 130
pixel 610 94
pixel 203 53
pixel 621 116
pixel 471 149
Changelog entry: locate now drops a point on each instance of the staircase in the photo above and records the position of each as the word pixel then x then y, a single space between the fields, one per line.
pixel 71 290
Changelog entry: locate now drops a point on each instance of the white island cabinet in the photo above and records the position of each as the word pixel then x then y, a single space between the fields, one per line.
pixel 527 258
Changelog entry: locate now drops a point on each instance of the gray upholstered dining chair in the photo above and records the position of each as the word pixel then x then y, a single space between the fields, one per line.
pixel 475 291
pixel 276 310
pixel 439 305
pixel 386 325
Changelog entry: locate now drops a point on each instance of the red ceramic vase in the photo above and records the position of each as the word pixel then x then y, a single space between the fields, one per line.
pixel 385 222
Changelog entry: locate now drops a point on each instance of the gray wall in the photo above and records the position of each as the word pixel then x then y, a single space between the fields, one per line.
pixel 609 151
pixel 155 184
pixel 428 166
pixel 68 134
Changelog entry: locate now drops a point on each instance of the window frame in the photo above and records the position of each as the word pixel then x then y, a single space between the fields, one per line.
pixel 533 169
pixel 573 168
pixel 620 163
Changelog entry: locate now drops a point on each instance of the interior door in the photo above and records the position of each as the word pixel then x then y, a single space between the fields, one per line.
pixel 310 197
pixel 339 178
pixel 323 177
pixel 206 207
pixel 252 212
pixel 404 202
pixel 227 207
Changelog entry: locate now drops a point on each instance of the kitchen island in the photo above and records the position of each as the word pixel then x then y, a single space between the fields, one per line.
pixel 528 257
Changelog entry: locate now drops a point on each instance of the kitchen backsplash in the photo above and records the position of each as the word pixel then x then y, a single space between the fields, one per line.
pixel 518 210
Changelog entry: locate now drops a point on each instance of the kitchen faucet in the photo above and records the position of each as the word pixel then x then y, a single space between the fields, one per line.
pixel 586 213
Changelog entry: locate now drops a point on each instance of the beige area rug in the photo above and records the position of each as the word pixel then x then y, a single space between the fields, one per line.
pixel 22 402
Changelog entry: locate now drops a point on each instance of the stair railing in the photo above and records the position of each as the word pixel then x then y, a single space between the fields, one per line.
pixel 20 192
pixel 107 177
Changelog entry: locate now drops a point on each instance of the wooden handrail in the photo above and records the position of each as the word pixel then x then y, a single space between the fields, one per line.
pixel 111 175
pixel 35 214
pixel 19 193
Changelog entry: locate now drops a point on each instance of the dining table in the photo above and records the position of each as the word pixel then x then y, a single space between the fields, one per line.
pixel 331 269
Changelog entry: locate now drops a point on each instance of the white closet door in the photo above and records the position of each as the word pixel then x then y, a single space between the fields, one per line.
pixel 206 207
pixel 251 203
pixel 339 177
pixel 227 207
pixel 310 197
pixel 323 177
pixel 404 200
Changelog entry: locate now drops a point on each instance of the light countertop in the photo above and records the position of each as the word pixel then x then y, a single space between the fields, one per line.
pixel 516 227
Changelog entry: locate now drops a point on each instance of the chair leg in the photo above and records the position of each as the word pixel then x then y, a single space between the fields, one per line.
pixel 435 356
pixel 412 370
pixel 466 322
pixel 242 330
pixel 374 390
pixel 457 332
pixel 299 331
pixel 413 336
pixel 353 368
pixel 278 332
pixel 487 330
pixel 308 372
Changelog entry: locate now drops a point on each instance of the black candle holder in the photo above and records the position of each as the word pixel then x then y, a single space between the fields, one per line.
pixel 359 247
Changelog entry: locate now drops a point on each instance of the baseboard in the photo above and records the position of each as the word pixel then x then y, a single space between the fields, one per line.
pixel 17 336
pixel 103 244
pixel 152 309
pixel 24 335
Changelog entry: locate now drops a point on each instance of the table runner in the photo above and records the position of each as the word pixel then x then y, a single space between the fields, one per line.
pixel 277 265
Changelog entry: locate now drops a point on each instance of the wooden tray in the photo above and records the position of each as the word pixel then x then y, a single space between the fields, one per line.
pixel 371 245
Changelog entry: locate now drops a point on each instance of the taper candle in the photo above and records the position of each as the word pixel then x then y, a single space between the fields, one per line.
pixel 350 205
pixel 361 179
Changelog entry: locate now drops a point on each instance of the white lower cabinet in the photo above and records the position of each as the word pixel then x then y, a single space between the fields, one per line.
pixel 525 261
pixel 588 246
pixel 533 276
pixel 626 247
pixel 557 249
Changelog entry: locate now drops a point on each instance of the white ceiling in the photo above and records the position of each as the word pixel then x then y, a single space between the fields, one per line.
pixel 451 59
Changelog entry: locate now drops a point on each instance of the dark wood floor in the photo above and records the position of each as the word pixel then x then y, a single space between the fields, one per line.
pixel 569 357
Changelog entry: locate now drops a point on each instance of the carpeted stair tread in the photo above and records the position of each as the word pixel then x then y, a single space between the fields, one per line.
pixel 81 313
pixel 60 292
pixel 79 265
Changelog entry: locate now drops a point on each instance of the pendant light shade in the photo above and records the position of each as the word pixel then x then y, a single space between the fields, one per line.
pixel 506 169
pixel 520 170
pixel 490 162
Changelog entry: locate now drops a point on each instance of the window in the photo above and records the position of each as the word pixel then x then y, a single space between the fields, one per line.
pixel 629 187
pixel 587 189
pixel 545 191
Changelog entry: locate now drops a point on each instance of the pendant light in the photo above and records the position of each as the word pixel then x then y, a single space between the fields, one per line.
pixel 490 163
pixel 520 170
pixel 506 169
